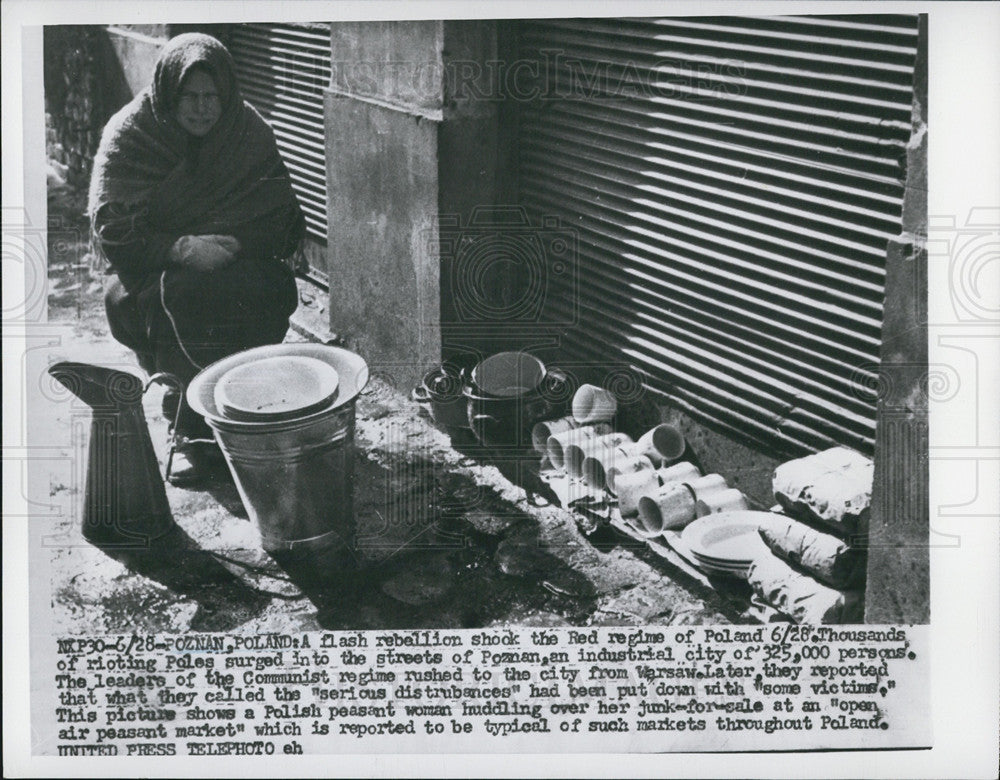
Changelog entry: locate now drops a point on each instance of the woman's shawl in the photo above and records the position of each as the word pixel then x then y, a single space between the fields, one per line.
pixel 146 161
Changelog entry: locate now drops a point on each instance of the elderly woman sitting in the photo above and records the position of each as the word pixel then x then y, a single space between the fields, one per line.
pixel 192 207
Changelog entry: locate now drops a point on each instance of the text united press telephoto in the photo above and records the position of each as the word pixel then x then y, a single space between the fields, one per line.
pixel 529 385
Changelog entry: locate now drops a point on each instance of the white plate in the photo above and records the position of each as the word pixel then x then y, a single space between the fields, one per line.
pixel 734 572
pixel 275 387
pixel 742 563
pixel 731 562
pixel 723 571
pixel 728 537
pixel 352 372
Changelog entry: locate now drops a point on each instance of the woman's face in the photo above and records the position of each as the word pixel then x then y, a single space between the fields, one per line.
pixel 199 105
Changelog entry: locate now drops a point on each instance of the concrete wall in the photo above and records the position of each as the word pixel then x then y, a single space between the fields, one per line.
pixel 383 109
pixel 382 179
pixel 134 50
pixel 398 64
pixel 407 145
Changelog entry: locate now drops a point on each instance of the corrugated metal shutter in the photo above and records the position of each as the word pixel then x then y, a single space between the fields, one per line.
pixel 283 69
pixel 733 182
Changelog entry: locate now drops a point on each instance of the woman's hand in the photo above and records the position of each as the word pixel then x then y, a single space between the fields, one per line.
pixel 204 253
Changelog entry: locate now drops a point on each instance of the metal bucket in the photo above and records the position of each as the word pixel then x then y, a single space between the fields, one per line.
pixel 295 476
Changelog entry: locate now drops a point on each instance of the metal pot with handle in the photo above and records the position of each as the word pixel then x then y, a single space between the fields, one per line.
pixel 507 421
pixel 442 391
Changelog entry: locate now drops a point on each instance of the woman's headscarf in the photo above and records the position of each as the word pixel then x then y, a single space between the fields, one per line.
pixel 231 176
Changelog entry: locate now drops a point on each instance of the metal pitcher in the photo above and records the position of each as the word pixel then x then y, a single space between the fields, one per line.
pixel 125 502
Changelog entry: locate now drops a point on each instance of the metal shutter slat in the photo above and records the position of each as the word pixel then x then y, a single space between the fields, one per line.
pixel 860 181
pixel 847 85
pixel 731 247
pixel 644 268
pixel 902 29
pixel 830 215
pixel 756 94
pixel 780 149
pixel 812 225
pixel 805 40
pixel 283 70
pixel 680 328
pixel 812 62
pixel 728 269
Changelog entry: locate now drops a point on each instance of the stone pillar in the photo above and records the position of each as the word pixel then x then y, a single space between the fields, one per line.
pixel 383 112
pixel 898 589
pixel 415 149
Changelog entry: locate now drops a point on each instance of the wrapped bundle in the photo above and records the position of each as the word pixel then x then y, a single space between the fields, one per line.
pixel 799 596
pixel 820 555
pixel 833 487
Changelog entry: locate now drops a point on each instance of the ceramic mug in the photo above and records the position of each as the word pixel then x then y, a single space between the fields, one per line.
pixel 597 464
pixel 632 487
pixel 592 404
pixel 543 430
pixel 722 501
pixel 705 487
pixel 662 444
pixel 669 507
pixel 558 443
pixel 679 472
pixel 627 466
pixel 577 452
